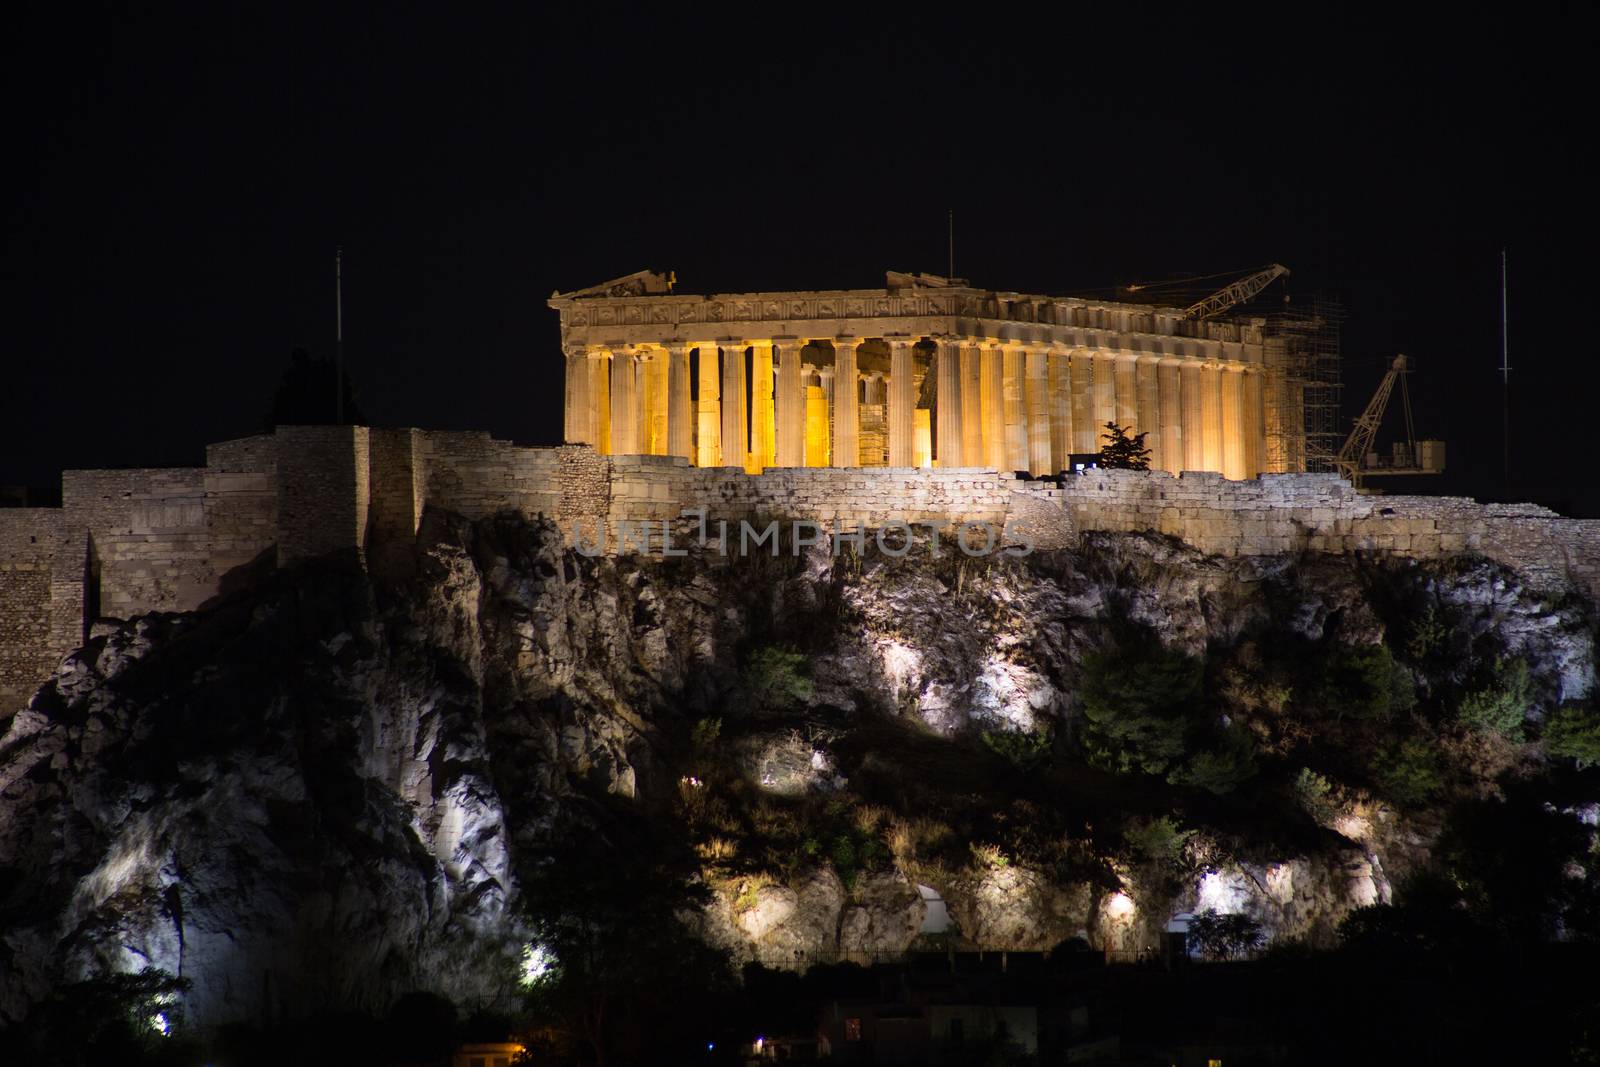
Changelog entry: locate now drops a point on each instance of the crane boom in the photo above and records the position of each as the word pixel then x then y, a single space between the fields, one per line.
pixel 1235 294
pixel 1358 460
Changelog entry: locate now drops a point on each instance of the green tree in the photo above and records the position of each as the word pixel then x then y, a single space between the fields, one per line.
pixel 1225 937
pixel 1364 682
pixel 306 395
pixel 1137 699
pixel 613 965
pixel 1502 705
pixel 1573 733
pixel 1158 842
pixel 776 677
pixel 1314 792
pixel 114 1018
pixel 1024 749
pixel 1221 768
pixel 1122 452
pixel 1408 772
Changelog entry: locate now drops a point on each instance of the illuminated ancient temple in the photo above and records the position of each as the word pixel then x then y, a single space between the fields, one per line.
pixel 926 371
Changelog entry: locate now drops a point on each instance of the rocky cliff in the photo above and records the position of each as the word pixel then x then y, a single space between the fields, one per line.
pixel 344 785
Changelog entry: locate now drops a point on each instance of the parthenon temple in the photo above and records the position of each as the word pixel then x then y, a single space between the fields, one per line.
pixel 926 371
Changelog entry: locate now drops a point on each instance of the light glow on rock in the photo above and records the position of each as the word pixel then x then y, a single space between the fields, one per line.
pixel 1225 894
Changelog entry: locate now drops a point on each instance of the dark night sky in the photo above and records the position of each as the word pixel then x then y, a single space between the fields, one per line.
pixel 180 181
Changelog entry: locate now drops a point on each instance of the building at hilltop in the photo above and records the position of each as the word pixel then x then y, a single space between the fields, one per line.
pixel 958 398
pixel 926 371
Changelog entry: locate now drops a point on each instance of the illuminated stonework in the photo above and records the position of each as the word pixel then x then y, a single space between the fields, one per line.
pixel 849 378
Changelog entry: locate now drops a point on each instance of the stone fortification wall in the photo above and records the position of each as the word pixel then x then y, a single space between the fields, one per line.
pixel 126 542
pixel 1280 513
pixel 28 648
pixel 660 487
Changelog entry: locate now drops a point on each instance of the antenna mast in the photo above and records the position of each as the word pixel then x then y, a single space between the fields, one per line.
pixel 1505 376
pixel 338 335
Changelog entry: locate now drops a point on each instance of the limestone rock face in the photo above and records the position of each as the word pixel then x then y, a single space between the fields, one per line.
pixel 329 791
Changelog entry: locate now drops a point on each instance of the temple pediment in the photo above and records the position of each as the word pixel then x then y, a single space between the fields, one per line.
pixel 640 283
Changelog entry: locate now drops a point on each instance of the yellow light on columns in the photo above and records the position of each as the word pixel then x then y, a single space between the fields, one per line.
pixel 922 438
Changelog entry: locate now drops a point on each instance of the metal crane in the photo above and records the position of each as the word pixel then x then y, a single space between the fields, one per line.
pixel 1357 461
pixel 1230 296
pixel 1236 293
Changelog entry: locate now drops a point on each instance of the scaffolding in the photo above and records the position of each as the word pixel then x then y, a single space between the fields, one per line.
pixel 1302 360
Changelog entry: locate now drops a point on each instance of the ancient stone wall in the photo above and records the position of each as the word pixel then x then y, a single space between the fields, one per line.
pixel 324 490
pixel 1280 513
pixel 28 544
pixel 126 542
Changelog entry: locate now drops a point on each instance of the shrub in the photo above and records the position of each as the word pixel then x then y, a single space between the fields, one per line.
pixel 1136 700
pixel 1365 682
pixel 1223 937
pixel 704 736
pixel 1159 841
pixel 776 677
pixel 1573 733
pixel 1500 707
pixel 1314 792
pixel 1429 636
pixel 1024 749
pixel 1221 769
pixel 1407 773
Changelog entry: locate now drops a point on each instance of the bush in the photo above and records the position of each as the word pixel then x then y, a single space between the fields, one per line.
pixel 1573 733
pixel 1500 707
pixel 776 677
pixel 1136 700
pixel 1024 749
pixel 1159 841
pixel 1407 773
pixel 1365 682
pixel 1314 792
pixel 1222 769
pixel 1223 937
pixel 1429 636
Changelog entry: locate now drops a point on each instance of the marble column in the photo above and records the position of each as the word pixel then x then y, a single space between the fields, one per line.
pixel 579 425
pixel 992 398
pixel 1083 408
pixel 651 428
pixel 816 421
pixel 735 423
pixel 1105 395
pixel 624 402
pixel 1211 413
pixel 1149 414
pixel 1016 422
pixel 680 421
pixel 1036 402
pixel 971 406
pixel 1128 394
pixel 1168 388
pixel 1058 377
pixel 1255 437
pixel 1234 453
pixel 1194 422
pixel 791 408
pixel 600 398
pixel 902 401
pixel 708 409
pixel 846 409
pixel 763 428
pixel 825 376
pixel 947 393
